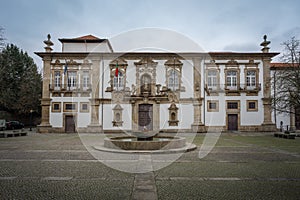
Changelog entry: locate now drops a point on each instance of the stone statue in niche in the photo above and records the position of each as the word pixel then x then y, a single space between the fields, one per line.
pixel 146 83
pixel 133 89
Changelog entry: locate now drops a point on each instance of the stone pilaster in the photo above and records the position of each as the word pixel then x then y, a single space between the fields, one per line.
pixel 45 126
pixel 156 116
pixel 95 126
pixel 197 125
pixel 134 114
pixel 267 124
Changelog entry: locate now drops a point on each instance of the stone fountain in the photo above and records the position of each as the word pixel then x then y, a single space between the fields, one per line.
pixel 146 142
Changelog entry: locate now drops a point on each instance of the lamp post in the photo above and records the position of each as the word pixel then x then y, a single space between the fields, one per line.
pixel 31 111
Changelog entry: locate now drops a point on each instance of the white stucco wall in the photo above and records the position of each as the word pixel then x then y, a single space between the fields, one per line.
pixel 246 117
pixel 83 118
pixel 251 117
pixel 85 47
pixel 56 119
pixel 185 116
pixel 108 117
pixel 187 79
pixel 215 118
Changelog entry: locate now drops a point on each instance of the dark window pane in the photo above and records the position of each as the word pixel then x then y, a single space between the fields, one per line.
pixel 70 107
pixel 84 106
pixel 252 105
pixel 56 106
pixel 232 105
pixel 212 105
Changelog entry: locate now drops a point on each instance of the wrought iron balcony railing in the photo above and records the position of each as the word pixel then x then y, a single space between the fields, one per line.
pixel 233 88
pixel 70 88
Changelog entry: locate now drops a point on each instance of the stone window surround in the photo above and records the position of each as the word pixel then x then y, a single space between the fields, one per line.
pixel 52 107
pixel 252 109
pixel 145 66
pixel 212 66
pixel 122 67
pixel 232 65
pixel 252 67
pixel 217 106
pixel 174 64
pixel 68 110
pixel 72 66
pixel 233 110
pixel 84 110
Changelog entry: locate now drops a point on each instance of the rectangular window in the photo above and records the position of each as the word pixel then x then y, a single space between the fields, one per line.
pixel 232 105
pixel 57 80
pixel 84 107
pixel 173 81
pixel 70 107
pixel 231 79
pixel 72 76
pixel 119 81
pixel 85 80
pixel 55 107
pixel 212 106
pixel 252 105
pixel 212 78
pixel 251 79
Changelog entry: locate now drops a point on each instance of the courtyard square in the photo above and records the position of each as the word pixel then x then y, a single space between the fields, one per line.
pixel 240 166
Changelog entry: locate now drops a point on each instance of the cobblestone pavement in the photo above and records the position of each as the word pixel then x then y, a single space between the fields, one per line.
pixel 58 166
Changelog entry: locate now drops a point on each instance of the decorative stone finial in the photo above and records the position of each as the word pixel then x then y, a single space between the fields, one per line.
pixel 49 43
pixel 265 44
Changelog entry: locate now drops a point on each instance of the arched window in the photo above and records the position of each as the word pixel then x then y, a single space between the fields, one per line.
pixel 173 80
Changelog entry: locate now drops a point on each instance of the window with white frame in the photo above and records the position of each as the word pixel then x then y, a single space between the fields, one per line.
pixel 72 80
pixel 173 80
pixel 212 79
pixel 85 80
pixel 57 80
pixel 231 79
pixel 251 79
pixel 118 82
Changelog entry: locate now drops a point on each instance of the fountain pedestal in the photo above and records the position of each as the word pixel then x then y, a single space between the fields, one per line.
pixel 144 136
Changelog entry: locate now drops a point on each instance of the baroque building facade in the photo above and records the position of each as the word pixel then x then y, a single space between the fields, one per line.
pixel 87 87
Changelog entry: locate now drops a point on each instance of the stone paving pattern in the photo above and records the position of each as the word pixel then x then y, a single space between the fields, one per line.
pixel 58 166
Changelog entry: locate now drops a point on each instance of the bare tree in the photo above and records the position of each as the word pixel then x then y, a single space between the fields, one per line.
pixel 287 78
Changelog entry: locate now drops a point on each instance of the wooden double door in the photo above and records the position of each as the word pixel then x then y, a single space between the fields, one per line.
pixel 70 124
pixel 145 119
pixel 232 122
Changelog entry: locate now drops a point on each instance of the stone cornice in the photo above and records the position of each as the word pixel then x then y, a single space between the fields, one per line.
pixel 159 56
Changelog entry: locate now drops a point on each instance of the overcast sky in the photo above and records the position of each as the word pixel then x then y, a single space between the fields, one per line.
pixel 215 25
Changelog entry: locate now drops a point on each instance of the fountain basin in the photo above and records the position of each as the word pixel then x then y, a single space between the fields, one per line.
pixel 157 143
